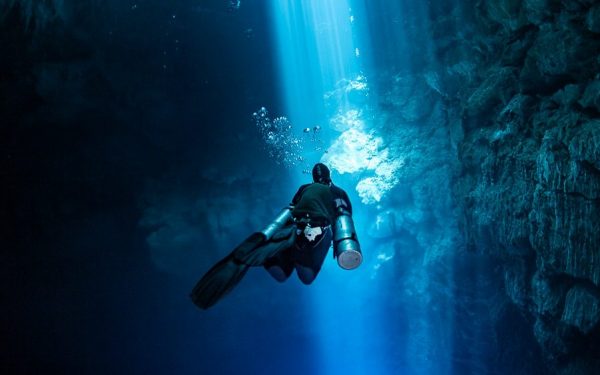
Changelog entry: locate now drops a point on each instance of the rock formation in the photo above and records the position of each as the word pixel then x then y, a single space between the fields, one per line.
pixel 528 185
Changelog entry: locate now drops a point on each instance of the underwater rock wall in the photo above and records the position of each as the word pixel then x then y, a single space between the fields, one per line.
pixel 525 77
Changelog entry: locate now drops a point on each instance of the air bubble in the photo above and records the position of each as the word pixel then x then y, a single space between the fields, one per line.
pixel 283 146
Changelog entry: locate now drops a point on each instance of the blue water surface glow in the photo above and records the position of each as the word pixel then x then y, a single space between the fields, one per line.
pixel 320 65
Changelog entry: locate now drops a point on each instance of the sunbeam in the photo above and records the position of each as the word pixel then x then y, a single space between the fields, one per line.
pixel 322 82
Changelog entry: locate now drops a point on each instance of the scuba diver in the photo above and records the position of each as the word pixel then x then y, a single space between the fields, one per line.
pixel 298 238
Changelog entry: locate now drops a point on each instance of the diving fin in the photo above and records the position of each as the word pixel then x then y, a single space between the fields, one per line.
pixel 217 282
pixel 224 275
pixel 257 256
pixel 229 271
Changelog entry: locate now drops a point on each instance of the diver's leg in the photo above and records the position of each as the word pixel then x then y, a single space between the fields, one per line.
pixel 306 274
pixel 309 262
pixel 280 266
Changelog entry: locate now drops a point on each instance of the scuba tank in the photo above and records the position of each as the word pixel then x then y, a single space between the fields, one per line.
pixel 345 243
pixel 280 220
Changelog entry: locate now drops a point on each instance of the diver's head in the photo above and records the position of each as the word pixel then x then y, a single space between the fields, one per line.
pixel 321 174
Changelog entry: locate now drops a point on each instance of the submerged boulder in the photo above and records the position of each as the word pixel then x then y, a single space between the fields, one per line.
pixel 567 96
pixel 516 49
pixel 592 20
pixel 559 55
pixel 516 281
pixel 547 295
pixel 565 220
pixel 582 309
pixel 411 97
pixel 553 345
pixel 495 88
pixel 591 96
pixel 539 11
pixel 506 12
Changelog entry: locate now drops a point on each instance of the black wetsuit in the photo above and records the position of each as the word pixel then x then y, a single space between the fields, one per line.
pixel 315 205
pixel 319 203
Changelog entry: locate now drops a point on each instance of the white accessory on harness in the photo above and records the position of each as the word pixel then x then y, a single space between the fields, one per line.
pixel 312 233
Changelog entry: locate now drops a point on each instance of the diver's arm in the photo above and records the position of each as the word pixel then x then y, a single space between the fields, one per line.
pixel 348 202
pixel 341 199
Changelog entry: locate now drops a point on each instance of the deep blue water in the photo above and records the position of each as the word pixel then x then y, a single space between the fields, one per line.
pixel 140 164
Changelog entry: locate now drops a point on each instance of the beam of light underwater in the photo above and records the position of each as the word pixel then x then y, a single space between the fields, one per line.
pixel 403 41
pixel 316 51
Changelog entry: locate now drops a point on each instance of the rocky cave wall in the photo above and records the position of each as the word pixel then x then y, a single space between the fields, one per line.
pixel 507 108
pixel 521 81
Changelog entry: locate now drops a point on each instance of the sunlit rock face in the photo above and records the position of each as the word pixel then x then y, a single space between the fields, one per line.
pixel 405 158
pixel 529 155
